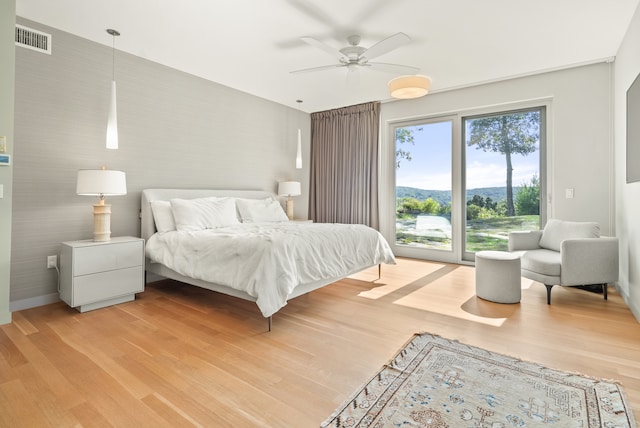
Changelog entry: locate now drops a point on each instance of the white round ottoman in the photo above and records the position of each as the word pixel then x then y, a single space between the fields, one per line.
pixel 498 276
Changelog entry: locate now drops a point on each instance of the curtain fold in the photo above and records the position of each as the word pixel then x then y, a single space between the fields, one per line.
pixel 344 165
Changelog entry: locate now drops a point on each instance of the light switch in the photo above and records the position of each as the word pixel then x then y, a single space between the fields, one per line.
pixel 568 193
pixel 3 144
pixel 1 191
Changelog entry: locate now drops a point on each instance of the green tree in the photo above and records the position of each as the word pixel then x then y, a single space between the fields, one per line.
pixel 476 200
pixel 509 134
pixel 430 206
pixel 404 136
pixel 410 205
pixel 489 204
pixel 445 209
pixel 528 198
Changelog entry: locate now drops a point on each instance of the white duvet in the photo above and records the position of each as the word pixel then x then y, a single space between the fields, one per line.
pixel 268 260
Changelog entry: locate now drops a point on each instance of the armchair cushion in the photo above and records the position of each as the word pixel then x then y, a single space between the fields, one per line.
pixel 557 231
pixel 544 262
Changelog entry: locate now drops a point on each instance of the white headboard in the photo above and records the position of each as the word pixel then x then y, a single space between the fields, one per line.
pixel 148 226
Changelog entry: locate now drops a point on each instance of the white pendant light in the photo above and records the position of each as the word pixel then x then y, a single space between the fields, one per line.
pixel 299 152
pixel 112 123
pixel 407 87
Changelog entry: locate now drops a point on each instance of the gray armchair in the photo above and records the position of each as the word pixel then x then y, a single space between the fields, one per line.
pixel 567 253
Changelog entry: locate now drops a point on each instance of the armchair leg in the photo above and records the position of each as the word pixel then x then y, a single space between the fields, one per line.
pixel 549 287
pixel 604 290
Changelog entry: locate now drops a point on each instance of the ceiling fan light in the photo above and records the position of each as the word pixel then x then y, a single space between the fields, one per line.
pixel 407 87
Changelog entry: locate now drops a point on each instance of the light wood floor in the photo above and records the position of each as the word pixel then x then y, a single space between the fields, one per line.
pixel 183 356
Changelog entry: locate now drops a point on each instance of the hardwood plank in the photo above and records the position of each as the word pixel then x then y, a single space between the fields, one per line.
pixel 23 324
pixel 184 356
pixel 19 406
pixel 9 352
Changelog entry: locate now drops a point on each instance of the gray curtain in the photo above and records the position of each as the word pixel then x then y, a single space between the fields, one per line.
pixel 344 165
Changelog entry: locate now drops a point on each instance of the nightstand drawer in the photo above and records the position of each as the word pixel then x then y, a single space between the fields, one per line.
pixel 119 256
pixel 106 285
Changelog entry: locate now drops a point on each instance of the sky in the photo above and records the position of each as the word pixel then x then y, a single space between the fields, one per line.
pixel 430 166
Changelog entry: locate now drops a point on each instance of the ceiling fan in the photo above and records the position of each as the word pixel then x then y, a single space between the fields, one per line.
pixel 355 56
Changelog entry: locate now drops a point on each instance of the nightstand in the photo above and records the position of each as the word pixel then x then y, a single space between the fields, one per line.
pixel 302 220
pixel 98 274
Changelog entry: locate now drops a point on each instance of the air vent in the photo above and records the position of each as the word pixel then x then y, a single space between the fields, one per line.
pixel 33 39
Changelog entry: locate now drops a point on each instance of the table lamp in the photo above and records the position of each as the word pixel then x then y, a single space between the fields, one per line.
pixel 101 182
pixel 289 189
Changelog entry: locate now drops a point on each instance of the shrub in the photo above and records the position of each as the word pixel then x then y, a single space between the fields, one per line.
pixel 473 211
pixel 430 206
pixel 528 198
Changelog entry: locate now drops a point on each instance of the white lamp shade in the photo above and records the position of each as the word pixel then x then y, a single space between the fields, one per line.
pixel 101 182
pixel 406 87
pixel 289 188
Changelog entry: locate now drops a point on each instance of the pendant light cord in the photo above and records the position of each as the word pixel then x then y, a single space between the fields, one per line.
pixel 113 33
pixel 113 58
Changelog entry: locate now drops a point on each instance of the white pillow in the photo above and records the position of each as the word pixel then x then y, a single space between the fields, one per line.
pixel 163 216
pixel 203 213
pixel 260 210
pixel 557 231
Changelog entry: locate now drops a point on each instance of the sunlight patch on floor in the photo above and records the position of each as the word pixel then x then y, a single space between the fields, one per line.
pixel 454 295
pixel 391 283
pixel 446 289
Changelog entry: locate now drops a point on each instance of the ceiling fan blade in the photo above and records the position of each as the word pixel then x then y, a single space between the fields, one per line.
pixel 310 70
pixel 386 45
pixel 335 53
pixel 393 68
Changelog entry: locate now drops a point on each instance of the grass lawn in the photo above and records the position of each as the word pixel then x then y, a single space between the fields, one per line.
pixel 482 234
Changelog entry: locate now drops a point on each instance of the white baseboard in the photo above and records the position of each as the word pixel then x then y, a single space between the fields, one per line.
pixel 33 302
pixel 635 310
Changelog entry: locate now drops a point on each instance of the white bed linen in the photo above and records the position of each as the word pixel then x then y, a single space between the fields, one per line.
pixel 267 260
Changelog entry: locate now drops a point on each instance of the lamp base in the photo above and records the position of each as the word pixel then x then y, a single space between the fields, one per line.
pixel 290 208
pixel 102 222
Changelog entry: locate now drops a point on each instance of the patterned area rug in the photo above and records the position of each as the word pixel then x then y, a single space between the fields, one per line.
pixel 436 382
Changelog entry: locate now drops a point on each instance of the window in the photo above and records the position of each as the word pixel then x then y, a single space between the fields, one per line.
pixel 463 182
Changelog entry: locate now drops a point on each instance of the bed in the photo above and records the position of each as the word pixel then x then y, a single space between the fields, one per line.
pixel 259 255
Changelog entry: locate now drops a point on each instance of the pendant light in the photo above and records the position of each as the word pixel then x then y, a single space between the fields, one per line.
pixel 112 123
pixel 299 152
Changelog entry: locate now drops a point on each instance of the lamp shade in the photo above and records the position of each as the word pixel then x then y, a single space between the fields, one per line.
pixel 406 87
pixel 101 182
pixel 289 188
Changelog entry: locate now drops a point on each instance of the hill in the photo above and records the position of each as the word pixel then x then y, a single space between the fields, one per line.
pixel 444 196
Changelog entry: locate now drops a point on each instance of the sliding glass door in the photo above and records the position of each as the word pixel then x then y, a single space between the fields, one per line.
pixel 462 183
pixel 502 177
pixel 423 191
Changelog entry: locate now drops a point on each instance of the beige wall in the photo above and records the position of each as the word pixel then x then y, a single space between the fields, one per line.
pixel 627 67
pixel 176 130
pixel 7 62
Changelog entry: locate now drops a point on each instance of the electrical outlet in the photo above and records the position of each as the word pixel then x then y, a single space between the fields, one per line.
pixel 52 262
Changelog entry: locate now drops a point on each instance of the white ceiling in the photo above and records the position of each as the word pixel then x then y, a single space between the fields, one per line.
pixel 252 45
